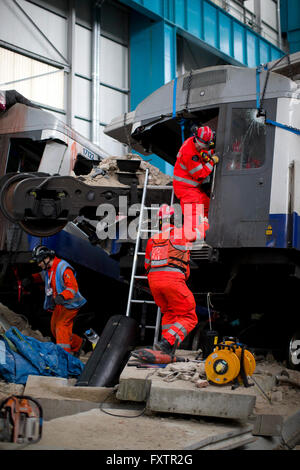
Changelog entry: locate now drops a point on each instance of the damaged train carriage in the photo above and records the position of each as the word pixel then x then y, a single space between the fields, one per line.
pixel 35 144
pixel 251 259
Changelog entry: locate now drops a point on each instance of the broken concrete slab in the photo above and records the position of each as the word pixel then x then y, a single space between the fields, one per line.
pixel 54 408
pixel 231 439
pixel 183 397
pixel 184 400
pixel 95 430
pixel 57 388
pixel 268 425
pixel 60 397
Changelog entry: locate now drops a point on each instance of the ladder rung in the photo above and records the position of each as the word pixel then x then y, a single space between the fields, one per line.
pixel 149 230
pixel 149 186
pixel 142 253
pixel 136 301
pixel 147 326
pixel 140 277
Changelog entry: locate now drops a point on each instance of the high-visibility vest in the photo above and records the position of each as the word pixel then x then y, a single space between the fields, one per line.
pixel 168 253
pixel 76 302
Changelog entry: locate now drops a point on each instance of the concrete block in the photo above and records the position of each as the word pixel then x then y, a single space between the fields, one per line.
pixel 200 402
pixel 54 408
pixel 134 385
pixel 267 425
pixel 57 387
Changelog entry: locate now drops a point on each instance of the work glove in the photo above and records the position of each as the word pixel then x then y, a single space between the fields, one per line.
pixel 59 299
pixel 215 159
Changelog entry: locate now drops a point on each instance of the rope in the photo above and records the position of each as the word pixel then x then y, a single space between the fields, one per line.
pixel 188 90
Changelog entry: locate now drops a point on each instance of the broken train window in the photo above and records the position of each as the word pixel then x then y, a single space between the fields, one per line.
pixel 247 141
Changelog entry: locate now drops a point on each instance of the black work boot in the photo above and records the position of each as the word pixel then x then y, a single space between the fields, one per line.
pixel 164 346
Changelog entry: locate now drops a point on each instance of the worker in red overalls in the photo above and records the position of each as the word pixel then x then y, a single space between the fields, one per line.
pixel 167 265
pixel 62 297
pixel 195 162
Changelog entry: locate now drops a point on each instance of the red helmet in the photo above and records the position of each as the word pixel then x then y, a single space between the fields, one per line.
pixel 204 135
pixel 165 211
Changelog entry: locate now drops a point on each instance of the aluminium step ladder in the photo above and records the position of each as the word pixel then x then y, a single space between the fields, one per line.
pixel 138 252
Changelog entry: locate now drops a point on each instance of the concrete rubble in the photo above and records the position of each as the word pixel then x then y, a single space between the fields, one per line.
pixel 175 398
pixel 106 173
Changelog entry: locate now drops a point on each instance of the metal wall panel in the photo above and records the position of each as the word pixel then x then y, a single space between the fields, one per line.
pixel 28 37
pixel 114 64
pixel 225 34
pixel 194 18
pixel 82 100
pixel 83 127
pixel 112 146
pixel 83 44
pixel 210 24
pixel 112 104
pixel 239 42
pixel 39 82
pixel 269 13
pixel 206 22
pixel 252 49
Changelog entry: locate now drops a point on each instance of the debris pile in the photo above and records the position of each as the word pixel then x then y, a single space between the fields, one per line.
pixel 11 318
pixel 106 173
pixel 189 371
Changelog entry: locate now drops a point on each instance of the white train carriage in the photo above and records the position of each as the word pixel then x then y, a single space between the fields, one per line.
pixel 251 259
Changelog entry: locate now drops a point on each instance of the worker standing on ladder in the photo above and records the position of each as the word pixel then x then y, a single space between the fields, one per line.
pixel 62 297
pixel 195 161
pixel 167 266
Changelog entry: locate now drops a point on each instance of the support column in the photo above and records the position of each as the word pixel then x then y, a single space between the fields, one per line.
pixel 95 95
pixel 71 59
pixel 152 63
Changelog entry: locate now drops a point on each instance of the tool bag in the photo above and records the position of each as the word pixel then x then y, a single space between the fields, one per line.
pixel 111 353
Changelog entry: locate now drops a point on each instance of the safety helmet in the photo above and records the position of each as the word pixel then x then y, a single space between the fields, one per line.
pixel 165 211
pixel 204 135
pixel 40 252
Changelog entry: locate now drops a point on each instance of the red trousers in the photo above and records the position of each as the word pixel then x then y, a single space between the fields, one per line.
pixel 61 327
pixel 176 302
pixel 194 205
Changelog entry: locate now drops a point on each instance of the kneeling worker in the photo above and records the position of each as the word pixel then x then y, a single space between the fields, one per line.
pixel 167 266
pixel 62 297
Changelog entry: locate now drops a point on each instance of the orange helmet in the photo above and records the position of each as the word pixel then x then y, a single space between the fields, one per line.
pixel 204 135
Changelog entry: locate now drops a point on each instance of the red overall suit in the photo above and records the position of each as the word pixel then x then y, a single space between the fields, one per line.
pixel 167 266
pixel 191 168
pixel 62 318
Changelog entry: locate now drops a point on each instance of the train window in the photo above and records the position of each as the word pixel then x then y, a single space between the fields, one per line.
pixel 24 155
pixel 247 140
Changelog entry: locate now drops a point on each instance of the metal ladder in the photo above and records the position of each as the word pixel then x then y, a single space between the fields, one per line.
pixel 138 253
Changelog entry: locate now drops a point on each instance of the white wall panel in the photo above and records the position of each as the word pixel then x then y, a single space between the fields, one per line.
pixel 269 13
pixel 269 34
pixel 83 127
pixel 112 104
pixel 113 63
pixel 82 98
pixel 17 30
pixel 110 145
pixel 83 47
pixel 37 81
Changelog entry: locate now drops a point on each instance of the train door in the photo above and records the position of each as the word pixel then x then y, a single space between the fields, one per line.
pixel 239 210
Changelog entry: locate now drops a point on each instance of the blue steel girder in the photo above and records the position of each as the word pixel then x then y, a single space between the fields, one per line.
pixel 213 28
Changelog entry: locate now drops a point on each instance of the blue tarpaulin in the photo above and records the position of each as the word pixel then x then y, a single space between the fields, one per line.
pixel 22 355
